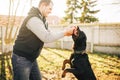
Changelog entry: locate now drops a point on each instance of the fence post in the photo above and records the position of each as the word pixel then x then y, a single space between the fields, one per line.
pixel 2 40
pixel 62 41
pixel 92 40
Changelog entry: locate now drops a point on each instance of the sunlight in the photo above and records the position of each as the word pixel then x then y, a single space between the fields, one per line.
pixel 108 12
pixel 20 11
pixel 4 7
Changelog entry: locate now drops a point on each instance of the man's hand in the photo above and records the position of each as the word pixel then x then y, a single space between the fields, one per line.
pixel 69 31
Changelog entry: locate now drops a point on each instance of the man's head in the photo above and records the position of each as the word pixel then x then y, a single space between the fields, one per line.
pixel 45 7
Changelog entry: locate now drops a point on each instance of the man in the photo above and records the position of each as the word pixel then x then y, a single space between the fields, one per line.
pixel 33 34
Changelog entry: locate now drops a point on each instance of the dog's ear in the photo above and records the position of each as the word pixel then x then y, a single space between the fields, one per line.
pixel 75 36
pixel 78 29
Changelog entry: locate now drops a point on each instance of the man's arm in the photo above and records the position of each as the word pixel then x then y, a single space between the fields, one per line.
pixel 38 28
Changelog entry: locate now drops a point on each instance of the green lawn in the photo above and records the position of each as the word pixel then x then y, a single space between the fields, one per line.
pixel 106 67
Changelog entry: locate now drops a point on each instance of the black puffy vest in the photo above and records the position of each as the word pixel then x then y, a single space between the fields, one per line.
pixel 27 44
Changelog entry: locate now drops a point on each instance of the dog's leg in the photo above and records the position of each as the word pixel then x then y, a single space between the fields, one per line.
pixel 64 73
pixel 63 67
pixel 64 63
pixel 71 70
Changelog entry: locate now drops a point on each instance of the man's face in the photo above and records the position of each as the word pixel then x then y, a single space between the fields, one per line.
pixel 46 9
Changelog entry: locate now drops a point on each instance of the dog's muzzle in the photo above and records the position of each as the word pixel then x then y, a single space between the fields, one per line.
pixel 80 52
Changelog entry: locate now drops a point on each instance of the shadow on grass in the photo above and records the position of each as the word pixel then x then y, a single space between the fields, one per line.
pixel 54 52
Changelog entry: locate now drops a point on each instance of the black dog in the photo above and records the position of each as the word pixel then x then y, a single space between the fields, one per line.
pixel 79 61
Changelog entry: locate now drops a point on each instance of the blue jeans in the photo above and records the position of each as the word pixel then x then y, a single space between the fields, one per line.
pixel 24 69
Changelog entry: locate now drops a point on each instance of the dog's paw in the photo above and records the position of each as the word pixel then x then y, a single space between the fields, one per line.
pixel 63 76
pixel 63 67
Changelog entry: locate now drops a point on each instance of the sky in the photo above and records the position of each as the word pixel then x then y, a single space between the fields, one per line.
pixel 108 12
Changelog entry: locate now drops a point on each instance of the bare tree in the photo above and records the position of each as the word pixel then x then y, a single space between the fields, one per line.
pixel 14 37
pixel 8 20
pixel 11 30
pixel 9 36
pixel 12 24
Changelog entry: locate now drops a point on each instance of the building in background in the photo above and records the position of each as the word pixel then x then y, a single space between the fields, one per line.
pixel 52 20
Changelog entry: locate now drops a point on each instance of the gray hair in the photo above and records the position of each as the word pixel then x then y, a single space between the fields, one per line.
pixel 47 2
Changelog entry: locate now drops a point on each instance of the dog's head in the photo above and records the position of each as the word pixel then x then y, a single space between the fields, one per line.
pixel 79 39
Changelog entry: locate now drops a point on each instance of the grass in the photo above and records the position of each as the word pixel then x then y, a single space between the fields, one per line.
pixel 105 67
pixel 5 67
